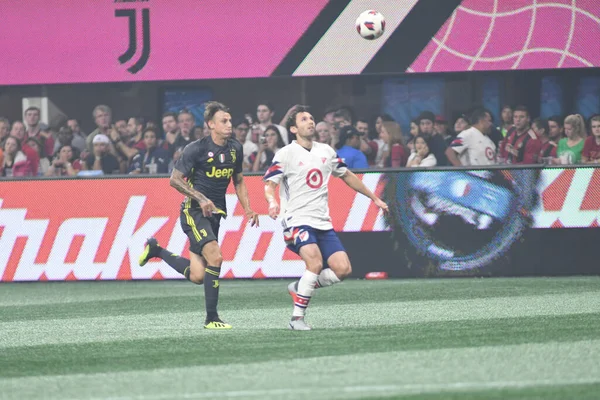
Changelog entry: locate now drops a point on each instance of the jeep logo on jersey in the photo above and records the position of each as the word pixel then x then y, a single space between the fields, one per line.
pixel 220 172
pixel 132 48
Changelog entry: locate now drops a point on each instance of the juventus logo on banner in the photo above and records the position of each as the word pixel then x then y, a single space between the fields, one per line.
pixel 128 55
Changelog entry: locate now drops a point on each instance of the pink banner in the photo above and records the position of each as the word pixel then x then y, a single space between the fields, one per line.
pixel 515 34
pixel 65 41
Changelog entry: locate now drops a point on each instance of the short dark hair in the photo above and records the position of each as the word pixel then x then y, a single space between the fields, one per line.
pixel 343 113
pixel 139 120
pixel 350 113
pixel 267 104
pixel 361 119
pixel 66 130
pixel 169 114
pixel 558 119
pixel 428 115
pixel 241 121
pixel 291 121
pixel 505 106
pixel 543 124
pixel 521 108
pixel 74 151
pixel 213 107
pixel 478 114
pixel 32 108
pixel 188 112
pixel 150 129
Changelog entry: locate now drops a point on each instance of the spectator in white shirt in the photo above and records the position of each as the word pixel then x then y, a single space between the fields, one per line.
pixel 473 146
pixel 241 130
pixel 422 156
pixel 264 114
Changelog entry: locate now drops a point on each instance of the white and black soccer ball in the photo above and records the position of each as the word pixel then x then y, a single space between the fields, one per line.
pixel 370 24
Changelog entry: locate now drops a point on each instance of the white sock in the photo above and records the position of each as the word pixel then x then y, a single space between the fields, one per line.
pixel 327 278
pixel 306 286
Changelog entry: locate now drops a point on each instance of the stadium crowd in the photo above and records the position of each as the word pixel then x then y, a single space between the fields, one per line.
pixel 134 145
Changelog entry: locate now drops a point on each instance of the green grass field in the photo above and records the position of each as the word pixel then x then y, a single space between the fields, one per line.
pixel 410 339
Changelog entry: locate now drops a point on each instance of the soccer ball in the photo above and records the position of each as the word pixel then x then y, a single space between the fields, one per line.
pixel 370 24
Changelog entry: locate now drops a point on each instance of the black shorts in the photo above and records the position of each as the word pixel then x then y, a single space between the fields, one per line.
pixel 199 229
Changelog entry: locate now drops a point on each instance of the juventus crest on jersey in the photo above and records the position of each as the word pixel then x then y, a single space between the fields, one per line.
pixel 304 175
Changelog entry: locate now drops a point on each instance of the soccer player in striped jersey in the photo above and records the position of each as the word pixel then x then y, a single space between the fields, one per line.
pixel 208 164
pixel 303 169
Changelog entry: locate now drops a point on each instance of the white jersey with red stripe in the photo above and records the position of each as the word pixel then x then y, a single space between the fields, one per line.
pixel 303 175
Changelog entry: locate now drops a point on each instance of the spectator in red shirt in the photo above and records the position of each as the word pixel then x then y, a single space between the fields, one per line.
pixel 16 163
pixel 44 163
pixel 591 147
pixel 397 155
pixel 542 130
pixel 557 130
pixel 521 146
pixel 18 131
pixel 39 131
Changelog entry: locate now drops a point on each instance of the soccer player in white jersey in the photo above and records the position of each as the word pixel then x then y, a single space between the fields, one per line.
pixel 473 146
pixel 303 168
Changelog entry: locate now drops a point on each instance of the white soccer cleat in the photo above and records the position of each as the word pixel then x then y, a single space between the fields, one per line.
pixel 299 325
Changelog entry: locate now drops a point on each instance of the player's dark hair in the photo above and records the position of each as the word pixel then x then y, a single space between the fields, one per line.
pixel 478 114
pixel 542 123
pixel 169 114
pixel 505 106
pixel 213 107
pixel 291 121
pixel 522 108
pixel 558 119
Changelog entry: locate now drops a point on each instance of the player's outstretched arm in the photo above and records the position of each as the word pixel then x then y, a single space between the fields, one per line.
pixel 178 182
pixel 353 182
pixel 242 193
pixel 270 187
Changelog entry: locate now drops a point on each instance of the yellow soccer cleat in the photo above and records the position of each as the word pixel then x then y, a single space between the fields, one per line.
pixel 217 325
pixel 150 251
